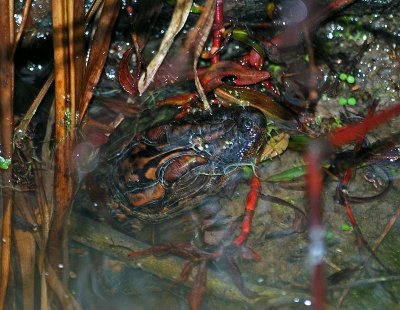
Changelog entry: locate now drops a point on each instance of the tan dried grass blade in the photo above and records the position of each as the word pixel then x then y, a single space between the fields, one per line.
pixel 64 72
pixel 204 24
pixel 98 53
pixel 68 54
pixel 25 14
pixel 24 123
pixel 179 17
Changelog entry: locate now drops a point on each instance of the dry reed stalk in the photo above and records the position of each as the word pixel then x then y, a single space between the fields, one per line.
pixel 74 84
pixel 18 35
pixel 80 63
pixel 26 120
pixel 67 24
pixel 99 46
pixel 204 23
pixel 7 124
pixel 178 20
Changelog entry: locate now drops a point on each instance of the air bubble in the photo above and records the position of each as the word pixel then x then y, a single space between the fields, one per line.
pixel 260 280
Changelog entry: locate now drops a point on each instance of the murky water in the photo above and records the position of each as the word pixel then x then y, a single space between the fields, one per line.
pixel 102 276
pixel 282 275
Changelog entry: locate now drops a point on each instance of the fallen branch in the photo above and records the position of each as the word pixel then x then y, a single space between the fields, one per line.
pixel 105 239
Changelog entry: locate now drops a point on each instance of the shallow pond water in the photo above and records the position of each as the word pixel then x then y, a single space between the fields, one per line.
pixel 282 274
pixel 282 277
pixel 356 65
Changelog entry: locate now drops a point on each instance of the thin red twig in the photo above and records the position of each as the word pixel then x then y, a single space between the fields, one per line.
pixel 344 181
pixel 353 132
pixel 217 30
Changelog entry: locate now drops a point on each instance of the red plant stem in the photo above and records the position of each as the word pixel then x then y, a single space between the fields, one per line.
pixel 345 180
pixel 313 159
pixel 199 287
pixel 318 289
pixel 353 132
pixel 125 77
pixel 217 27
pixel 252 199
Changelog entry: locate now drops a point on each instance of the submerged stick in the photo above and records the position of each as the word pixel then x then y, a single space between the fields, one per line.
pixel 105 239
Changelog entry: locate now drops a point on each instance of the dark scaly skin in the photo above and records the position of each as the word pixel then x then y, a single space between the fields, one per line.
pixel 166 170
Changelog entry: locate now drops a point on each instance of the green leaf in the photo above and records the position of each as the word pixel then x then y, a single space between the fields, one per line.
pixel 4 163
pixel 241 35
pixel 248 97
pixel 196 9
pixel 248 172
pixel 346 227
pixel 299 142
pixel 288 175
pixel 329 235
